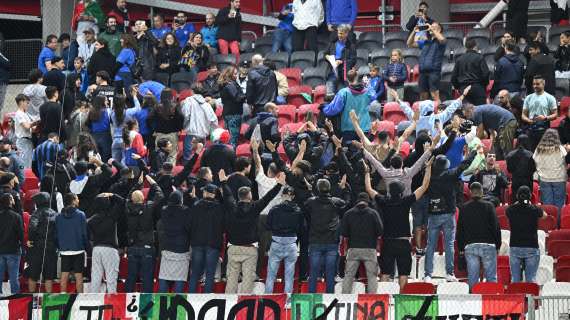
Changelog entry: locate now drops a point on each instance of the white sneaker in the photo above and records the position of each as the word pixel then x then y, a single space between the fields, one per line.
pixel 427 279
pixel 450 278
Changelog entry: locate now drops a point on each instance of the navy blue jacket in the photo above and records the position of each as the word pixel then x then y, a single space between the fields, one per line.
pixel 508 74
pixel 431 57
pixel 71 228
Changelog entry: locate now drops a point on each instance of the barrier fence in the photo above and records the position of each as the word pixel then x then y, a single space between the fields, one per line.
pixel 266 307
pixel 549 308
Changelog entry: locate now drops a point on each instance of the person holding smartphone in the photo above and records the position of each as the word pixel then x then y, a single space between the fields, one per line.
pixel 229 32
pixel 182 29
pixel 420 18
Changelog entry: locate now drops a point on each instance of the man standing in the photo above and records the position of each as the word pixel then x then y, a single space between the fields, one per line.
pixel 540 65
pixel 282 37
pixel 471 70
pixel 102 87
pixel 341 12
pixel 228 21
pixel 23 125
pixel 87 47
pixel 111 35
pixel 11 241
pixel 539 109
pixel 44 153
pixel 36 91
pixel 160 29
pixel 241 226
pixel 47 53
pixel 362 226
pixel 420 18
pixel 492 180
pixel 261 85
pixel 268 124
pixel 121 14
pixel 521 165
pixel 509 71
pixel 55 76
pixel 182 29
pixel 517 17
pixel 51 115
pixel 490 117
pixel 341 50
pixel 431 59
pixel 210 32
pixel 146 43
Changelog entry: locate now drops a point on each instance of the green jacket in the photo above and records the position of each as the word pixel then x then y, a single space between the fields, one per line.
pixel 114 41
pixel 93 9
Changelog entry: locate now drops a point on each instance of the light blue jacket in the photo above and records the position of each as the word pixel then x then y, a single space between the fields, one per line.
pixel 348 99
pixel 427 117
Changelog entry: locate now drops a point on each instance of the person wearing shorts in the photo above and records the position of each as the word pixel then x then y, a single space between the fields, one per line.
pixel 395 210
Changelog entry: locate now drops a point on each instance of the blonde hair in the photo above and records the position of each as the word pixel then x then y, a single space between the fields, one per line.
pixel 399 52
pixel 227 75
pixel 549 143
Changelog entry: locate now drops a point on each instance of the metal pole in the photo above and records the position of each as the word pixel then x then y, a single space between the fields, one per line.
pixel 151 17
pixel 530 307
pixel 383 3
pixel 264 12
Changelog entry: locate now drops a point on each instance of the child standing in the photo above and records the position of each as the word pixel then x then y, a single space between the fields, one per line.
pixel 396 73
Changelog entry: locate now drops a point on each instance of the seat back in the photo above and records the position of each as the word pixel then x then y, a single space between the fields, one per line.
pixel 488 288
pixel 418 288
pixel 523 288
pixel 303 59
pixel 293 76
pixel 393 112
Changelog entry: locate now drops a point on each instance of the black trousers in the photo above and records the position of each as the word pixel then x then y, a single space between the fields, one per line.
pixel 309 36
pixel 477 95
pixel 517 17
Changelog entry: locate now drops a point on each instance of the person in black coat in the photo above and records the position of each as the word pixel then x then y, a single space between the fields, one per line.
pixel 233 99
pixel 540 64
pixel 471 70
pixel 101 60
pixel 219 155
pixel 521 165
pixel 517 17
pixel 146 43
pixel 345 62
pixel 228 21
pixel 195 55
pixel 87 186
pixel 261 85
pixel 423 8
pixel 168 55
pixel 562 54
pixel 564 129
pixel 11 240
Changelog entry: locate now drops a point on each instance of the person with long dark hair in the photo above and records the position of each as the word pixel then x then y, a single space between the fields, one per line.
pixel 134 147
pixel 101 60
pixel 118 122
pixel 85 149
pixel 232 99
pixel 72 93
pixel 167 120
pixel 524 252
pixel 126 61
pixel 99 123
pixel 168 54
pixel 195 54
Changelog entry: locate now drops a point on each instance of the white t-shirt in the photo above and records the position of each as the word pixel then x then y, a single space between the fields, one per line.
pixel 264 185
pixel 19 118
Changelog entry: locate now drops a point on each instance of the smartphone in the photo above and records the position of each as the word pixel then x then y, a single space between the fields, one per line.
pixel 423 28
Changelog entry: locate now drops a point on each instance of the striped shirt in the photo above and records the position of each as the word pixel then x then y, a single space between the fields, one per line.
pixel 44 153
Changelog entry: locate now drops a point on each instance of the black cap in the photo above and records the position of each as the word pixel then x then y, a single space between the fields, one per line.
pixel 210 188
pixel 288 190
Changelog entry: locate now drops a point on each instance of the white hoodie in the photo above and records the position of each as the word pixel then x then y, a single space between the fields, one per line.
pixel 199 116
pixel 309 14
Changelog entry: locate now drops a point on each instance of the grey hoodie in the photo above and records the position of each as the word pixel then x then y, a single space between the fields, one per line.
pixel 199 116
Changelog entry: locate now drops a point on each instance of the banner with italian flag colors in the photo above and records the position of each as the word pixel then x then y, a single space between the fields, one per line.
pixel 16 307
pixel 340 306
pixel 442 307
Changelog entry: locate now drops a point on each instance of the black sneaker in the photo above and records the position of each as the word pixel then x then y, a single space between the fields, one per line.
pixel 420 252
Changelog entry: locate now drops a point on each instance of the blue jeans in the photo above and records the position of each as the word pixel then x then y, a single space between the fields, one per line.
pixel 282 40
pixel 477 254
pixel 103 141
pixel 553 193
pixel 203 259
pixel 282 248
pixel 233 125
pixel 523 258
pixel 436 223
pixel 187 152
pixel 164 285
pixel 12 263
pixel 140 261
pixel 117 149
pixel 319 253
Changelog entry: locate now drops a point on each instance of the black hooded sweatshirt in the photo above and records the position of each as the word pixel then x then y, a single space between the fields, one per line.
pixel 323 214
pixel 207 228
pixel 41 230
pixel 102 226
pixel 142 218
pixel 11 231
pixel 174 225
pixel 362 226
pixel 285 219
pixel 261 87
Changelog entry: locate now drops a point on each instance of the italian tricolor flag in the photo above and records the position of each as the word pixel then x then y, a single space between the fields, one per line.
pixel 339 306
pixel 454 306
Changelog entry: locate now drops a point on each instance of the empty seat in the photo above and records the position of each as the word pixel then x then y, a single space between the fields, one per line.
pixel 380 57
pixel 319 94
pixel 363 70
pixel 302 59
pixel 446 72
pixel 481 36
pixel 488 288
pixel 392 112
pixel 246 45
pixel 306 108
pixel 371 35
pixel 523 288
pixel 395 40
pixel 388 288
pixel 369 41
pixel 286 114
pixel 418 288
pixel 453 288
pixel 293 76
pixel 322 61
pixel 247 56
pixel 263 45
pixel 223 61
pixel 297 95
pixel 243 150
pixel 411 56
pixel 563 274
pixel 280 59
pixel 556 289
pixel 314 76
pixel 557 248
pixel 362 57
pixel 454 38
pixel 181 81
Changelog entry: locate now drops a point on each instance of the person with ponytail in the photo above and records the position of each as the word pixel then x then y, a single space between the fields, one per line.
pixel 99 123
pixel 524 253
pixel 118 122
pixel 134 147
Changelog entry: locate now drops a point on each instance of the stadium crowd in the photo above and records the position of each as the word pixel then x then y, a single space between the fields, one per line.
pixel 150 145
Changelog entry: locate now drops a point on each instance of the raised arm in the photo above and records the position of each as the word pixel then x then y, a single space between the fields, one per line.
pixel 425 183
pixel 227 195
pixel 260 204
pixel 358 129
pixel 411 43
pixel 405 108
pixel 301 153
pixel 375 163
pixel 367 183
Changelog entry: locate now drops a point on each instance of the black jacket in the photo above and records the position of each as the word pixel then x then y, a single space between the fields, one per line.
pixel 542 65
pixel 323 214
pixel 413 22
pixel 268 127
pixel 102 226
pixel 348 56
pixel 55 78
pixel 302 190
pixel 201 57
pixel 508 74
pixel 485 177
pixel 41 230
pixel 229 29
pixel 478 223
pixel 169 55
pixel 174 122
pixel 219 156
pixel 562 56
pixel 92 188
pixel 564 130
pixel 470 68
pixel 261 87
pixel 157 158
pixel 101 60
pixel 241 218
pixel 232 99
pixel 362 226
pixel 285 219
pixel 4 69
pixel 521 165
pixel 142 218
pixel 500 52
pixel 11 231
pixel 174 229
pixel 207 228
pixel 146 45
pixel 211 87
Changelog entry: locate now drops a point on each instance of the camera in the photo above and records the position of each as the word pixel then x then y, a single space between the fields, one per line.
pixel 423 28
pixel 178 20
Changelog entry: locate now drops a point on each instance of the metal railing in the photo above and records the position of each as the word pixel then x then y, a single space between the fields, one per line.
pixel 23 55
pixel 548 307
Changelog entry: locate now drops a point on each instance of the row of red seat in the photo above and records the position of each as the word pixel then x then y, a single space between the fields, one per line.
pixel 479 288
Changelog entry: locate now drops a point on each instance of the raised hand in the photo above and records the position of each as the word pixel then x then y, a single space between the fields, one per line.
pixel 342 183
pixel 149 179
pixel 394 94
pixel 337 142
pixel 222 176
pixel 466 90
pixel 270 145
pixel 353 116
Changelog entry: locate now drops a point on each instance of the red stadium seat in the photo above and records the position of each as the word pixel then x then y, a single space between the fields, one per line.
pixel 523 288
pixel 547 223
pixel 565 210
pixel 486 144
pixel 28 202
pixel 488 288
pixel 418 288
pixel 564 105
pixel 293 76
pixel 320 93
pixel 415 73
pixel 202 76
pixel 504 223
pixel 392 112
pixel 286 114
pixel 550 210
pixel 304 109
pixel 387 126
pixel 31 181
pixel 243 150
pixel 563 234
pixel 565 222
pixel 503 270
pixel 567 192
pixel 296 97
pixel 556 122
pixel 563 261
pixel 557 248
pixel 562 274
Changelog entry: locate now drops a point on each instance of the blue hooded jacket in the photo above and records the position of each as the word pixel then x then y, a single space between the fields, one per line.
pixel 286 22
pixel 71 228
pixel 341 12
pixel 375 88
pixel 427 117
pixel 347 99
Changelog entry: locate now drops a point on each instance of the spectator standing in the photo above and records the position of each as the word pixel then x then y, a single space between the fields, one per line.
pixel 420 18
pixel 506 38
pixel 375 88
pixel 521 165
pixel 11 241
pixel 284 221
pixel 199 119
pixel 87 46
pixel 42 252
pixel 51 115
pixel 195 55
pixel 146 44
pixel 99 123
pixel 564 129
pixel 55 76
pixel 471 70
pixel 323 213
pixel 431 59
pixel 562 56
pixel 210 31
pixel 261 85
pixel 517 18
pixel 228 21
pixel 340 12
pixel 72 243
pixel 79 72
pixel 101 60
pixel 45 152
pixel 539 109
pixel 479 236
pixel 395 73
pixel 89 183
pixel 283 34
pixel 117 120
pixel 24 124
pixel 239 178
pixel 343 51
pixel 69 50
pixel 167 121
pixel 232 100
pixel 111 35
pixel 160 155
pixel 523 252
pixel 182 29
pixel 509 71
pixel 102 226
pixel 307 17
pixel 36 91
pixel 102 87
pixel 241 226
pixel 160 29
pixel 126 62
pixel 121 14
pixel 549 158
pixel 492 180
pixel 47 53
pixel 362 226
pixel 540 64
pixel 4 76
pixel 490 117
pixel 87 15
pixel 168 55
pixel 15 166
pixel 220 154
pixel 268 124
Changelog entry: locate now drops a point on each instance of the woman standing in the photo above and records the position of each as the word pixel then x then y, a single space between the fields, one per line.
pixel 549 157
pixel 101 60
pixel 167 120
pixel 134 144
pixel 99 123
pixel 118 121
pixel 195 54
pixel 86 148
pixel 126 62
pixel 168 55
pixel 228 21
pixel 232 100
pixel 524 253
